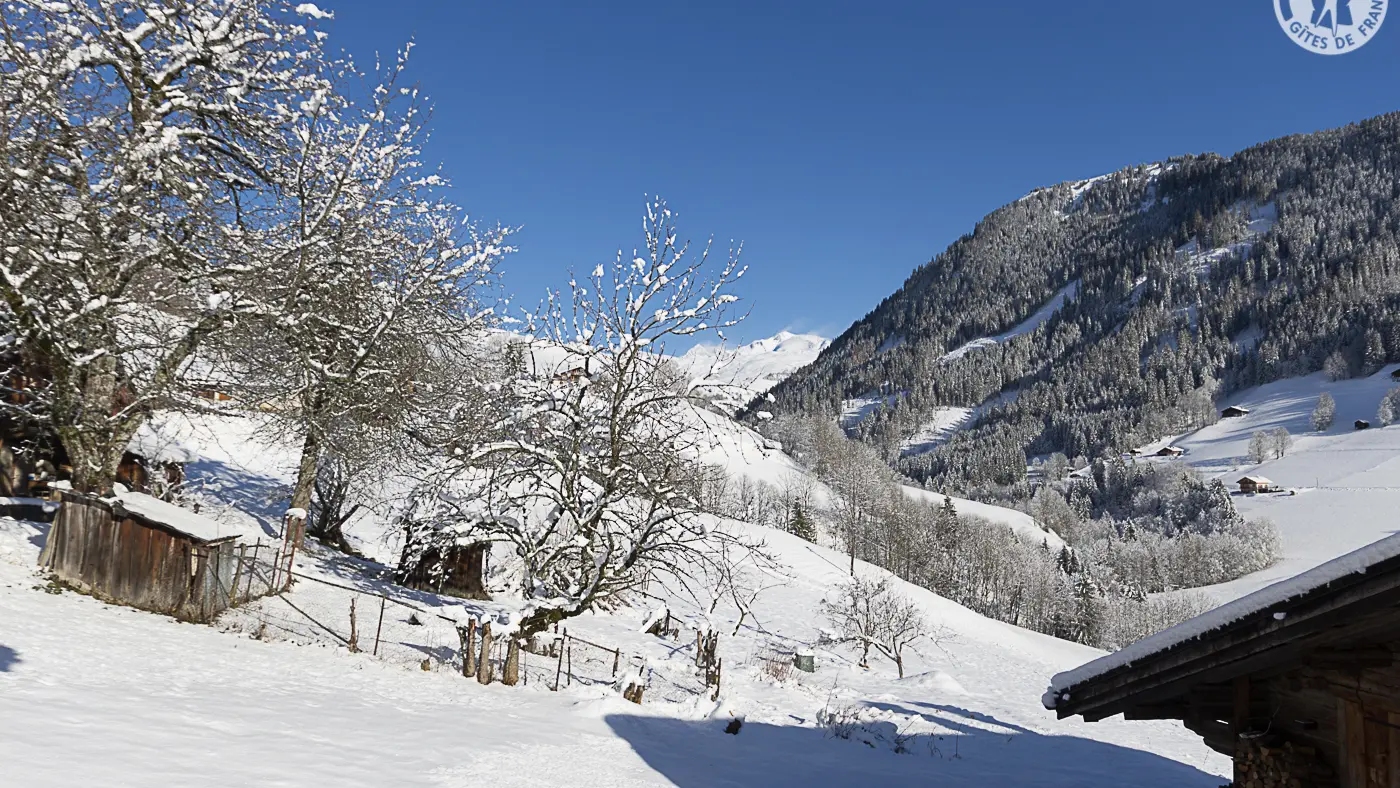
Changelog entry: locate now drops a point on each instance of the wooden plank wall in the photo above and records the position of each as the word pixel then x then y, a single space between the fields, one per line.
pixel 133 563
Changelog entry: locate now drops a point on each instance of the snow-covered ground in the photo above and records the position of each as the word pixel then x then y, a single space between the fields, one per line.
pixel 1021 523
pixel 121 697
pixel 1346 483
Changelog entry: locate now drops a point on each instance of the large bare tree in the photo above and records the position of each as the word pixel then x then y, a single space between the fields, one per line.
pixel 143 142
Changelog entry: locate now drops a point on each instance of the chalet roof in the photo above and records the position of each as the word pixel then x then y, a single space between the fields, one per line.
pixel 1296 602
pixel 1237 408
pixel 1258 480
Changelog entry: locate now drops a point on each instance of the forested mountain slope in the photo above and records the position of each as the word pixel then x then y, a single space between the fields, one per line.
pixel 1186 280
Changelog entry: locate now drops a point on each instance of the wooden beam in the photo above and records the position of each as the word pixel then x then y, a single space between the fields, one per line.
pixel 1257 645
pixel 1350 658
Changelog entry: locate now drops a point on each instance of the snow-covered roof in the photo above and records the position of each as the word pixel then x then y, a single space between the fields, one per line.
pixel 1238 408
pixel 173 517
pixel 1263 600
pixel 156 442
pixel 1255 480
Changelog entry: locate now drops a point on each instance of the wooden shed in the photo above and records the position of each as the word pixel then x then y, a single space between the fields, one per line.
pixel 1234 412
pixel 140 551
pixel 1170 451
pixel 1297 682
pixel 458 570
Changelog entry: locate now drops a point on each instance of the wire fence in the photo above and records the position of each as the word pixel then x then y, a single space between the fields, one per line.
pixel 425 631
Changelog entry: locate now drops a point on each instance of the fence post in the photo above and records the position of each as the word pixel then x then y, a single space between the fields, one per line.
pixel 377 630
pixel 559 668
pixel 616 654
pixel 248 591
pixel 483 668
pixel 569 647
pixel 237 575
pixel 719 671
pixel 354 643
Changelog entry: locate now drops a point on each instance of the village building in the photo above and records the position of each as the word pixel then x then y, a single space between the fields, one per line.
pixel 135 550
pixel 1297 682
pixel 1234 412
pixel 1250 485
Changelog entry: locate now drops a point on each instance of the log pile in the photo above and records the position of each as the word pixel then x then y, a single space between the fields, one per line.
pixel 1281 766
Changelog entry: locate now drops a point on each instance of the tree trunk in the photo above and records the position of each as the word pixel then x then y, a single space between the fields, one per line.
pixel 306 482
pixel 510 675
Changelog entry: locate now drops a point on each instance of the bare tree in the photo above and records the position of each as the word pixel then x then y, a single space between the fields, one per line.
pixel 871 614
pixel 589 473
pixel 144 146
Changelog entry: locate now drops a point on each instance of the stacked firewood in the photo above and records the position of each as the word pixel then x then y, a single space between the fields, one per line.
pixel 1282 766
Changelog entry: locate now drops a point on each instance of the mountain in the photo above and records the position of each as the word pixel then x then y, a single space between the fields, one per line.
pixel 1090 317
pixel 735 376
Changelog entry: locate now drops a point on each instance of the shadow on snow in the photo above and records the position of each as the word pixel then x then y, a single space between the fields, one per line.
pixel 696 754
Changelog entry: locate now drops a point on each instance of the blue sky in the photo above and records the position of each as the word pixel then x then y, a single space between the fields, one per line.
pixel 844 143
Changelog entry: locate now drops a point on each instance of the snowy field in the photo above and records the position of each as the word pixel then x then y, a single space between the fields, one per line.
pixel 119 697
pixel 1347 482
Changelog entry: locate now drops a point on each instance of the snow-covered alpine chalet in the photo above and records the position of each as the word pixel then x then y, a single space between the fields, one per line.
pixel 1297 681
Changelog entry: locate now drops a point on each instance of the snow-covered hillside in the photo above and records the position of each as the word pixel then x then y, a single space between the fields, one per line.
pixel 170 703
pixel 736 376
pixel 1342 486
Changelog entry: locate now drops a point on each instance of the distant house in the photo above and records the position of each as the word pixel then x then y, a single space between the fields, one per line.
pixel 1234 412
pixel 1250 485
pixel 1171 451
pixel 573 375
pixel 1395 375
pixel 1362 424
pixel 1298 682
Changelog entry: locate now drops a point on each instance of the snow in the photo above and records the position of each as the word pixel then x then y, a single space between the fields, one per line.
pixel 182 520
pixel 739 375
pixel 858 409
pixel 1066 294
pixel 1021 523
pixel 946 423
pixel 1343 485
pixel 171 703
pixel 1356 562
pixel 155 442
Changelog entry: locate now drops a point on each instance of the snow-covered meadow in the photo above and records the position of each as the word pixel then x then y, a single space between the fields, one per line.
pixel 132 698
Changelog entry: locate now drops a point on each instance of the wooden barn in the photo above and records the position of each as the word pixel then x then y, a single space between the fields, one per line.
pixel 458 570
pixel 1395 374
pixel 1171 451
pixel 1234 412
pixel 140 551
pixel 1298 682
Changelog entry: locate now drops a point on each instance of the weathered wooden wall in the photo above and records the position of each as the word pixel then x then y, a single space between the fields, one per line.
pixel 459 572
pixel 134 562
